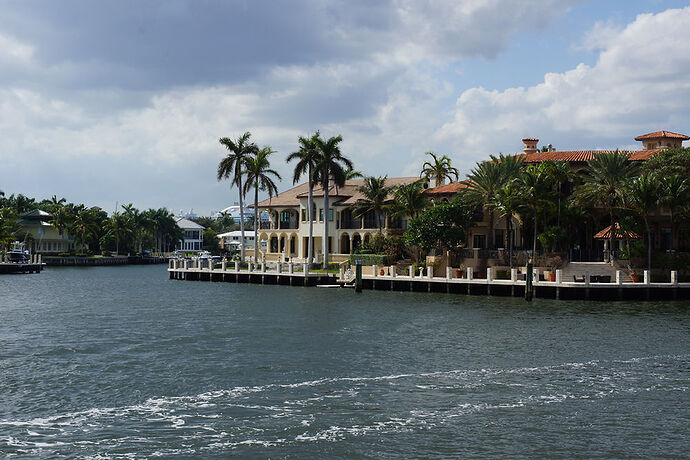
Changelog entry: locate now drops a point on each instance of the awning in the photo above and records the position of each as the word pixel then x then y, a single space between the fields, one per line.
pixel 619 234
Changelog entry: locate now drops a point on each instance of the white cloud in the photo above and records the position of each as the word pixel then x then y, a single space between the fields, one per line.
pixel 638 84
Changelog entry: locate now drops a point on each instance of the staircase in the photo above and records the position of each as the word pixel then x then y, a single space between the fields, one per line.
pixel 579 269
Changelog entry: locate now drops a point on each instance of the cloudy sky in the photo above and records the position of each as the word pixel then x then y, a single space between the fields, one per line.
pixel 124 101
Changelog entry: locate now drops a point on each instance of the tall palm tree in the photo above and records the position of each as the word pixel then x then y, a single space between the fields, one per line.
pixel 534 183
pixel 352 174
pixel 488 177
pixel 374 195
pixel 259 174
pixel 119 226
pixel 233 165
pixel 330 168
pixel 559 173
pixel 306 158
pixel 439 169
pixel 644 198
pixel 507 201
pixel 675 194
pixel 606 179
pixel 408 200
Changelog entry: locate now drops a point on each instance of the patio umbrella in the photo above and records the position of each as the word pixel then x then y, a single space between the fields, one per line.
pixel 618 234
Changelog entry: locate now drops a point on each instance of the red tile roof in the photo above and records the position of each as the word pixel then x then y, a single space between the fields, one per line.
pixel 531 139
pixel 582 156
pixel 447 189
pixel 662 135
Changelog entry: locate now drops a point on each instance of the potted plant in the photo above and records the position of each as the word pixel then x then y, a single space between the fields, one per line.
pixel 635 277
pixel 556 263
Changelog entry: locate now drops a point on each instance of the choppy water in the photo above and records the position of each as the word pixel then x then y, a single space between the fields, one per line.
pixel 120 362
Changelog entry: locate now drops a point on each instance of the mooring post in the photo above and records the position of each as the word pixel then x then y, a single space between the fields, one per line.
pixel 674 277
pixel 342 272
pixel 250 266
pixel 470 273
pixel 392 273
pixel 291 268
pixel 619 278
pixel 305 269
pixel 237 265
pixel 646 277
pixel 587 278
pixel 358 276
pixel 373 269
pixel 489 274
pixel 224 265
pixel 448 269
pixel 529 287
pixel 513 274
pixel 279 267
pixel 559 276
pixel 263 266
pixel 429 272
pixel 410 271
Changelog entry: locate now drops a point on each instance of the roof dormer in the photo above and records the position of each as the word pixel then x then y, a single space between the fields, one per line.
pixel 661 140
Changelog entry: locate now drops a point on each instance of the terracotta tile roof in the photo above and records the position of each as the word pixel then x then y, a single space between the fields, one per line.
pixel 662 135
pixel 343 196
pixel 582 156
pixel 447 189
pixel 619 234
pixel 530 139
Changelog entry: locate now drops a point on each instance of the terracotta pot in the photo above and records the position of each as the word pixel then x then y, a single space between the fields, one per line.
pixel 635 278
pixel 381 272
pixel 552 277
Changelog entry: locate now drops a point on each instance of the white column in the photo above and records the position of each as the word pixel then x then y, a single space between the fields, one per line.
pixel 237 265
pixel 279 268
pixel 489 274
pixel 223 265
pixel 410 271
pixel 647 279
pixel 587 278
pixel 535 276
pixel 513 274
pixel 305 268
pixel 185 264
pixel 430 272
pixel 250 265
pixel 392 271
pixel 559 276
pixel 373 268
pixel 40 257
pixel 619 278
pixel 342 272
pixel 470 273
pixel 448 273
pixel 263 266
pixel 674 277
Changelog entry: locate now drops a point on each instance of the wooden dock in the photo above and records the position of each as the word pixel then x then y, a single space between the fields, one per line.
pixel 14 268
pixel 452 284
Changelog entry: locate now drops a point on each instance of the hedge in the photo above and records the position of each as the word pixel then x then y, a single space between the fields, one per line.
pixel 370 259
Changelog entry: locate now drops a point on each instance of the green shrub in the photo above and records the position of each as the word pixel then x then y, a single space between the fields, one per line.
pixel 502 274
pixel 370 259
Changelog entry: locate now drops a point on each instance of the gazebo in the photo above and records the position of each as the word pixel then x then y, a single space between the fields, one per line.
pixel 618 234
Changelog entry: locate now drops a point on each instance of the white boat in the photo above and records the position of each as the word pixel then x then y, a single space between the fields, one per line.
pixel 18 254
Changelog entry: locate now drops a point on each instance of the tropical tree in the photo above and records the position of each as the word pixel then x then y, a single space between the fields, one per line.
pixel 488 177
pixel 260 177
pixel 439 169
pixel 606 179
pixel 534 184
pixel 352 174
pixel 84 225
pixel 408 200
pixel 233 166
pixel 306 158
pixel 445 226
pixel 643 198
pixel 119 226
pixel 507 201
pixel 374 195
pixel 330 168
pixel 675 193
pixel 559 173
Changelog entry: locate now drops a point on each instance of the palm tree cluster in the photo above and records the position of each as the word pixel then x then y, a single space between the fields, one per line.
pixel 126 231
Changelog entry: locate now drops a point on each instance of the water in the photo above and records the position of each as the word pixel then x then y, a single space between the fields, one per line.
pixel 117 362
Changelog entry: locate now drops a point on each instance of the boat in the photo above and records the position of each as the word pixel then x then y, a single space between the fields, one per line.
pixel 18 254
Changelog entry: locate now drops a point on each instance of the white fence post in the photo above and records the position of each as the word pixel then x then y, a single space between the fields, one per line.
pixel 410 270
pixel 470 272
pixel 646 277
pixel 513 274
pixel 619 278
pixel 374 271
pixel 291 268
pixel 237 265
pixel 489 274
pixel 587 278
pixel 392 269
pixel 559 276
pixel 430 272
pixel 448 269
pixel 674 277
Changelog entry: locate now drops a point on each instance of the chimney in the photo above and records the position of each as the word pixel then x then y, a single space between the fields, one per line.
pixel 530 144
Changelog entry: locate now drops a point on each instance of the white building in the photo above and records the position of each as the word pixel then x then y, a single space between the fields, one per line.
pixel 234 212
pixel 230 239
pixel 193 239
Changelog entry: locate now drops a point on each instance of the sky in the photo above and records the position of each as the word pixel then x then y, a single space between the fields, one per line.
pixel 124 101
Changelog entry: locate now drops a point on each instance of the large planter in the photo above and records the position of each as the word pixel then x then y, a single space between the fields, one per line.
pixel 552 277
pixel 635 278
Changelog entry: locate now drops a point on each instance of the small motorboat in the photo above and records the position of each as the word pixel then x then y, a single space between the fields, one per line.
pixel 18 254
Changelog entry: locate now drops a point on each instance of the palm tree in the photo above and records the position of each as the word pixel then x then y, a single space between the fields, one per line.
pixel 534 183
pixel 233 165
pixel 675 194
pixel 374 195
pixel 559 173
pixel 439 168
pixel 306 158
pixel 259 172
pixel 119 226
pixel 408 200
pixel 644 199
pixel 606 179
pixel 330 167
pixel 508 201
pixel 485 179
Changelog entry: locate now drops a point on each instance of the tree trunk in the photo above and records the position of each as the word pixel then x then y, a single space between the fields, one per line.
pixel 256 220
pixel 239 187
pixel 325 220
pixel 534 240
pixel 492 236
pixel 509 226
pixel 611 238
pixel 310 242
pixel 671 230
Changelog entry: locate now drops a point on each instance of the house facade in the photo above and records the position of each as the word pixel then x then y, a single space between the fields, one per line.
pixel 41 236
pixel 285 234
pixel 232 240
pixel 193 239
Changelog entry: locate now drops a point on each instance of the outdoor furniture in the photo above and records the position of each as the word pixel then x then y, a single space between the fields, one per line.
pixel 579 279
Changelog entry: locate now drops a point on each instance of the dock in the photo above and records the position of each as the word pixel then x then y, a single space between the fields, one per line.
pixel 454 282
pixel 13 268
